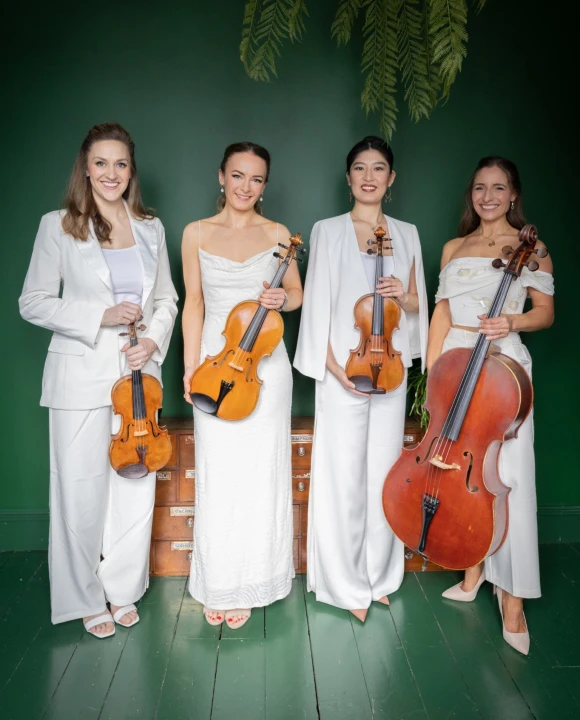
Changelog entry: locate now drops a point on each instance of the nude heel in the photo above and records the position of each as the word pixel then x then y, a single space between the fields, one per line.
pixel 456 593
pixel 519 641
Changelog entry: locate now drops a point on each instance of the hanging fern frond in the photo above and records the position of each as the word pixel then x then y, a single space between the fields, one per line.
pixel 379 62
pixel 247 46
pixel 346 14
pixel 413 60
pixel 272 29
pixel 479 5
pixel 447 26
pixel 432 70
pixel 297 12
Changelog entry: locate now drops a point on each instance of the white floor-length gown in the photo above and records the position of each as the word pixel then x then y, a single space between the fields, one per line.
pixel 470 284
pixel 242 551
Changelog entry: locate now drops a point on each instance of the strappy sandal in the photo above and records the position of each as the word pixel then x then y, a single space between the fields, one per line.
pixel 233 622
pixel 123 611
pixel 217 620
pixel 106 617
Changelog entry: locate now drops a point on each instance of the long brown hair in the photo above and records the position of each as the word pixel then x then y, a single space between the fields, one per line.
pixel 244 147
pixel 80 204
pixel 515 216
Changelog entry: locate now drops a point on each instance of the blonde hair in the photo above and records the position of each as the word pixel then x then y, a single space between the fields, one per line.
pixel 80 203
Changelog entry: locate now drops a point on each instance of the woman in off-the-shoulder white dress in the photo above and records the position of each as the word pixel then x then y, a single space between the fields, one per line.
pixel 467 286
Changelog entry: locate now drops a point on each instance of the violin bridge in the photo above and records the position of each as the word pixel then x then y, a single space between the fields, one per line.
pixel 438 462
pixel 140 433
pixel 236 367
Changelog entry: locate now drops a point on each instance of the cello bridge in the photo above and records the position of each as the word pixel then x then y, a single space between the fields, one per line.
pixel 438 462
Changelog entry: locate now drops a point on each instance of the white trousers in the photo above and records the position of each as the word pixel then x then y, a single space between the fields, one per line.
pixel 100 523
pixel 353 555
pixel 515 567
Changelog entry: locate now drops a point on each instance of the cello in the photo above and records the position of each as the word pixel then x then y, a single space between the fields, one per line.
pixel 227 385
pixel 140 446
pixel 444 498
pixel 375 367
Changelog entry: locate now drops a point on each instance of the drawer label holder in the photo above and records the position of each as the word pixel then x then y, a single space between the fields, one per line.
pixel 182 511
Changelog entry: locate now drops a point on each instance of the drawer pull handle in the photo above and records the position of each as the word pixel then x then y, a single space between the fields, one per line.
pixel 189 440
pixel 189 557
pixel 301 486
pixel 301 451
pixel 408 555
pixel 190 522
pixel 304 475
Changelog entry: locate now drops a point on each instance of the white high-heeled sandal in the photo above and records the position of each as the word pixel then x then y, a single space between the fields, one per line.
pixel 519 641
pixel 456 592
pixel 123 611
pixel 106 617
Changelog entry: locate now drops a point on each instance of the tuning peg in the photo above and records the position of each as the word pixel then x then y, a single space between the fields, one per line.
pixel 532 266
pixel 123 334
pixel 507 249
pixel 370 252
pixel 498 263
pixel 277 255
pixel 371 242
pixel 298 259
pixel 542 252
pixel 302 251
pixel 283 246
pixel 141 327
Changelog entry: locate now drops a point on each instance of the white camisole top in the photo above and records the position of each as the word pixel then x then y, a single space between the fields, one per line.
pixel 369 264
pixel 126 274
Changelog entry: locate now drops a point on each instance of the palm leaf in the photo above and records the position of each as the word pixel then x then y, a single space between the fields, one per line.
pixel 271 30
pixel 447 26
pixel 247 45
pixel 379 62
pixel 346 14
pixel 297 11
pixel 414 60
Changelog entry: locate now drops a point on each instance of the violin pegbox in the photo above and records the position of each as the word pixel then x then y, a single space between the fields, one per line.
pixel 380 239
pixel 296 245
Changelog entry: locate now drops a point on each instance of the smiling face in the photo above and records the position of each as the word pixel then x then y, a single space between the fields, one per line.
pixel 109 170
pixel 370 176
pixel 492 194
pixel 244 180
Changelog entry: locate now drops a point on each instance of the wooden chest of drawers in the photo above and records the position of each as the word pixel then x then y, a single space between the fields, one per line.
pixel 174 514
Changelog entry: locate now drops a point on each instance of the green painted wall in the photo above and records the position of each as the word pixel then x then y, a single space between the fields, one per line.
pixel 170 73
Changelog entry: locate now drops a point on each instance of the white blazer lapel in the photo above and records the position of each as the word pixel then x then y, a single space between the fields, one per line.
pixel 146 240
pixel 354 265
pixel 92 253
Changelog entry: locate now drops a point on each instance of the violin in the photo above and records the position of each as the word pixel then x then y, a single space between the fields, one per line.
pixel 444 498
pixel 141 446
pixel 227 385
pixel 375 367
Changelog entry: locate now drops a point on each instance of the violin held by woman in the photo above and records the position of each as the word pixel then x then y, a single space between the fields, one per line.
pixel 227 385
pixel 140 446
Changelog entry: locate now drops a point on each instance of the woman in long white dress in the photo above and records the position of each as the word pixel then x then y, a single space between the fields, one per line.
pixel 354 557
pixel 242 553
pixel 467 286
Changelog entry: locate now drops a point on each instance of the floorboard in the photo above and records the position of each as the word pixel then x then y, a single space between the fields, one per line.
pixel 240 688
pixel 16 571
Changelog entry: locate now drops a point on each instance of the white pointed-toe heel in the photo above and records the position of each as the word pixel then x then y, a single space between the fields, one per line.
pixel 456 593
pixel 519 641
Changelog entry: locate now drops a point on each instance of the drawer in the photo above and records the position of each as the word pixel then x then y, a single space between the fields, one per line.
pixel 296 554
pixel 166 487
pixel 186 489
pixel 170 558
pixel 174 459
pixel 300 485
pixel 301 450
pixel 296 520
pixel 186 451
pixel 414 563
pixel 413 433
pixel 173 523
pixel 302 567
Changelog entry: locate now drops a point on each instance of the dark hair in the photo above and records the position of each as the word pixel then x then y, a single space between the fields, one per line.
pixel 370 142
pixel 515 217
pixel 244 147
pixel 80 204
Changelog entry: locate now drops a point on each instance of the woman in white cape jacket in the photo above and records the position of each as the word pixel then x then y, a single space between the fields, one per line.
pixel 354 557
pixel 100 523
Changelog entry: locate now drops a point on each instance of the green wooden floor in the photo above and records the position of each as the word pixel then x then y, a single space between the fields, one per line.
pixel 424 657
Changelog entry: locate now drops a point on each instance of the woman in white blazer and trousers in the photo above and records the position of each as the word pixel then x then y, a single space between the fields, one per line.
pixel 354 558
pixel 97 266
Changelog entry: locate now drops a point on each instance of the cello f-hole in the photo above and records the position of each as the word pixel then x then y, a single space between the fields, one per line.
pixel 473 489
pixel 428 453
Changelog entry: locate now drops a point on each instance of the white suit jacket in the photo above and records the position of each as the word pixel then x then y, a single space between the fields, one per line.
pixel 336 279
pixel 83 360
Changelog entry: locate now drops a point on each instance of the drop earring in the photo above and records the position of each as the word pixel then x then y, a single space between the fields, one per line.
pixel 512 205
pixel 388 195
pixel 261 198
pixel 350 195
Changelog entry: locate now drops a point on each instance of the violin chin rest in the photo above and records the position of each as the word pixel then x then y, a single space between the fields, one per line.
pixel 364 384
pixel 134 471
pixel 204 403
